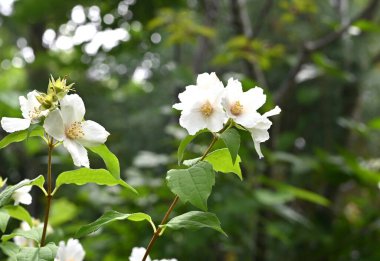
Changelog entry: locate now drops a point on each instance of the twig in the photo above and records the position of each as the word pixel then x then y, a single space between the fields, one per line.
pixel 172 205
pixel 49 190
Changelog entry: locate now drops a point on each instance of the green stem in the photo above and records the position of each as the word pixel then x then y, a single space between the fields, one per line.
pixel 172 205
pixel 49 191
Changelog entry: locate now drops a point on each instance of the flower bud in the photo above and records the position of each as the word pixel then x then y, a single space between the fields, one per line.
pixel 47 101
pixel 58 88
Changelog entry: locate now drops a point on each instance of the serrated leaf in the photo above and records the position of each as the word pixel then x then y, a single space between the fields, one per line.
pixel 6 194
pixel 111 216
pixel 21 135
pixel 195 220
pixel 221 161
pixel 46 253
pixel 34 234
pixel 84 176
pixel 184 143
pixel 111 161
pixel 193 184
pixel 19 213
pixel 231 138
pixel 4 218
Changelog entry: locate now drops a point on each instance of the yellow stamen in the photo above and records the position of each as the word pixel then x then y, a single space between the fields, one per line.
pixel 237 108
pixel 75 131
pixel 207 109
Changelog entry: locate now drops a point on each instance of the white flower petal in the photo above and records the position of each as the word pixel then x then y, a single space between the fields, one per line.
pixel 14 124
pixel 53 125
pixel 248 119
pixel 254 98
pixel 216 121
pixel 272 112
pixel 138 254
pixel 233 90
pixel 24 106
pixel 78 153
pixel 192 121
pixel 178 106
pixel 72 108
pixel 94 134
pixel 24 189
pixel 206 81
pixel 259 135
pixel 72 251
pixel 22 195
pixel 258 149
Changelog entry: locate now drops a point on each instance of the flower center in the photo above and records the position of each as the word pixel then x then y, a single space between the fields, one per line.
pixel 75 131
pixel 34 113
pixel 237 108
pixel 207 109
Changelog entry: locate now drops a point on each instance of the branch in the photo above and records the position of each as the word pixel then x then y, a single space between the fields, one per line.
pixel 312 46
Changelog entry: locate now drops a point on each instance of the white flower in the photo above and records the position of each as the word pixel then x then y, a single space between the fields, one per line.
pixel 31 112
pixel 72 251
pixel 22 241
pixel 242 106
pixel 22 195
pixel 201 105
pixel 259 131
pixel 139 252
pixel 67 125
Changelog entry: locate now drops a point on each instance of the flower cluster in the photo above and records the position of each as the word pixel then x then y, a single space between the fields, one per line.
pixel 210 105
pixel 62 116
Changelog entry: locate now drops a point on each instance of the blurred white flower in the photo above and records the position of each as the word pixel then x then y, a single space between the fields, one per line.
pixel 72 251
pixel 25 242
pixel 242 106
pixel 22 241
pixel 201 105
pixel 22 195
pixel 30 108
pixel 68 125
pixel 259 131
pixel 138 254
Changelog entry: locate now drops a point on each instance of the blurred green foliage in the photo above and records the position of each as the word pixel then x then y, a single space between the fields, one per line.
pixel 315 195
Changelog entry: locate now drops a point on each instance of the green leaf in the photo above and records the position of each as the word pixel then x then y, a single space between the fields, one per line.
pixel 6 194
pixel 9 248
pixel 39 182
pixel 19 213
pixel 4 218
pixel 195 220
pixel 62 211
pixel 21 135
pixel 184 143
pixel 231 138
pixel 111 161
pixel 83 176
pixel 193 184
pixel 46 253
pixel 111 216
pixel 221 161
pixel 34 234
